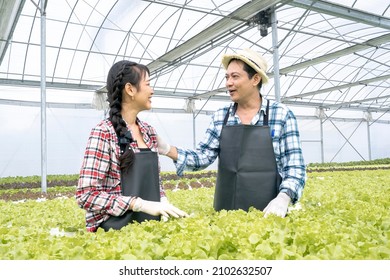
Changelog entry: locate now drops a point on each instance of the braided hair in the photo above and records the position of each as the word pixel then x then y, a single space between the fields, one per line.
pixel 121 73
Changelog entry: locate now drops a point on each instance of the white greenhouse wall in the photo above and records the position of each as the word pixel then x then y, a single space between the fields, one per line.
pixel 68 131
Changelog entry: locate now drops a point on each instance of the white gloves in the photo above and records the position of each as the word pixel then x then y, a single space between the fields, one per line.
pixel 163 147
pixel 278 206
pixel 156 208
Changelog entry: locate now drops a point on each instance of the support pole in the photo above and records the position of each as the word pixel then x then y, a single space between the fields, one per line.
pixel 368 117
pixel 275 48
pixel 322 141
pixel 321 117
pixel 194 129
pixel 369 140
pixel 190 108
pixel 43 98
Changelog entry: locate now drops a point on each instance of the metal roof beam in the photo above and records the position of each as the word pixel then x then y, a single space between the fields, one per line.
pixel 341 11
pixel 372 43
pixel 337 119
pixel 88 87
pixel 284 71
pixel 61 105
pixel 361 101
pixel 219 28
pixel 24 103
pixel 162 110
pixel 332 106
pixel 9 15
pixel 343 86
pixel 55 85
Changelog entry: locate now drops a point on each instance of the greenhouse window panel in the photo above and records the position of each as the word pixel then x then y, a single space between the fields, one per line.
pixel 9 15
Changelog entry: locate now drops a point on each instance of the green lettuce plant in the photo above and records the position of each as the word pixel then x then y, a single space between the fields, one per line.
pixel 342 215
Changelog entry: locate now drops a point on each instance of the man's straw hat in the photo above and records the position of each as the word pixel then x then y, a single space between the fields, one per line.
pixel 250 57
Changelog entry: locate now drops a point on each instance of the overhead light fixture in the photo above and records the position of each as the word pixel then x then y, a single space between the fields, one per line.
pixel 263 19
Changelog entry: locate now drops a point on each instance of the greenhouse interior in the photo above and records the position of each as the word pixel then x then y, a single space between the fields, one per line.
pixel 328 61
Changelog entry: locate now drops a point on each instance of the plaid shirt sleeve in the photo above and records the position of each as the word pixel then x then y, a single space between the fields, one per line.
pixel 206 151
pixel 288 151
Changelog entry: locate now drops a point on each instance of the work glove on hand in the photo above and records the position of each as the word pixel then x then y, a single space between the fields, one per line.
pixel 278 206
pixel 164 199
pixel 156 208
pixel 163 147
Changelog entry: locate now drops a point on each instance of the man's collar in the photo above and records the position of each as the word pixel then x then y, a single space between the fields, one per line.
pixel 263 107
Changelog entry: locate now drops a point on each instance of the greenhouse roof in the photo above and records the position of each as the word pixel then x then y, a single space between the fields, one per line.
pixel 329 54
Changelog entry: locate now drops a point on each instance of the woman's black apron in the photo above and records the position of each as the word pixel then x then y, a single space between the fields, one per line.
pixel 247 171
pixel 142 180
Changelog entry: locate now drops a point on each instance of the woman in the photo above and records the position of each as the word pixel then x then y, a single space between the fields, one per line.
pixel 119 179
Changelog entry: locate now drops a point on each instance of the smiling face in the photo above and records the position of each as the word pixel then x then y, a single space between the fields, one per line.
pixel 145 92
pixel 238 84
pixel 141 97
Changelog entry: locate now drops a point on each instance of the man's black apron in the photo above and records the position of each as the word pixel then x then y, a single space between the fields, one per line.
pixel 142 180
pixel 247 170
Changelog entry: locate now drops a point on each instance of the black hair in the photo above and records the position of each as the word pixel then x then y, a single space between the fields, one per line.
pixel 121 73
pixel 250 71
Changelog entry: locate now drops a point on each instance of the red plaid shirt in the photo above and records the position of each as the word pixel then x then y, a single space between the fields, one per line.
pixel 99 189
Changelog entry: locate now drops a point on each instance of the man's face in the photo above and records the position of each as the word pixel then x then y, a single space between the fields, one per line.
pixel 238 83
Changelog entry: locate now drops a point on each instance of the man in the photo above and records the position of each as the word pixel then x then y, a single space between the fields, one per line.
pixel 257 141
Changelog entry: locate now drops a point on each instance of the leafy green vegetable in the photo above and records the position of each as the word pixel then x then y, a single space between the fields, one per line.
pixel 342 215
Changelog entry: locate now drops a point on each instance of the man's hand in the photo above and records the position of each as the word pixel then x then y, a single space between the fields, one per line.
pixel 278 206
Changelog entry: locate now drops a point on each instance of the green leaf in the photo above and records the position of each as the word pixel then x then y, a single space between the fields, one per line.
pixel 254 238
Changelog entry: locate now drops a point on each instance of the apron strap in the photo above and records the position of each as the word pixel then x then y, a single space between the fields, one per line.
pixel 125 141
pixel 226 116
pixel 265 122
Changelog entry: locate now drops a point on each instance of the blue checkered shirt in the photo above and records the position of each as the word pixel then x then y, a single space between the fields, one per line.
pixel 285 140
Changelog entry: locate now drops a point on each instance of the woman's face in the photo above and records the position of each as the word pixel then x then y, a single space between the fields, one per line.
pixel 143 95
pixel 238 84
